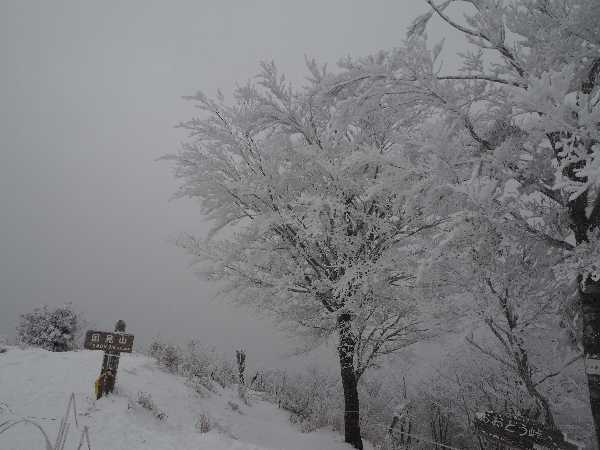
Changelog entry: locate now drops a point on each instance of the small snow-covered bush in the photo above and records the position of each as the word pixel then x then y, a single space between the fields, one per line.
pixel 240 356
pixel 201 385
pixel 156 348
pixel 202 366
pixel 56 329
pixel 204 423
pixel 234 407
pixel 208 365
pixel 315 401
pixel 167 355
pixel 312 397
pixel 170 358
pixel 144 399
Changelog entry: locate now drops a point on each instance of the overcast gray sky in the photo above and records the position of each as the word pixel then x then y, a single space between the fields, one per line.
pixel 89 94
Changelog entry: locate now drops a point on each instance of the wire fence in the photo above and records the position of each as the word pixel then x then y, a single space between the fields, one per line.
pixel 63 429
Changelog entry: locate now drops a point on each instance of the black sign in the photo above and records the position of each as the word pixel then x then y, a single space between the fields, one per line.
pixel 519 432
pixel 109 342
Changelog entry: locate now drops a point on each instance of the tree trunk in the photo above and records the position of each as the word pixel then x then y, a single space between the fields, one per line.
pixel 589 299
pixel 349 382
pixel 589 294
pixel 582 225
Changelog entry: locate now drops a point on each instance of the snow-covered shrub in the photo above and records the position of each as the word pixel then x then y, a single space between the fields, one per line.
pixel 258 382
pixel 234 407
pixel 3 342
pixel 156 348
pixel 438 417
pixel 201 385
pixel 52 329
pixel 203 425
pixel 202 366
pixel 144 399
pixel 224 374
pixel 446 401
pixel 207 365
pixel 379 399
pixel 171 358
pixel 313 397
pixel 240 357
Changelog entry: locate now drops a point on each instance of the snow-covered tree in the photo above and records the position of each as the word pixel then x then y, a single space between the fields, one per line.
pixel 517 132
pixel 516 295
pixel 318 234
pixel 55 329
pixel 541 128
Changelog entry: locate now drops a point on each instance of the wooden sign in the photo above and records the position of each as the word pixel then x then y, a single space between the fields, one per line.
pixel 520 433
pixel 109 342
pixel 113 345
pixel 592 364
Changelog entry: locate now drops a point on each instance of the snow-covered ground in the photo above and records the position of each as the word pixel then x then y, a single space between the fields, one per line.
pixel 36 384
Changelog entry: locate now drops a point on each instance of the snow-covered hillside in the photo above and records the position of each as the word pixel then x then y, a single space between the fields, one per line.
pixel 36 384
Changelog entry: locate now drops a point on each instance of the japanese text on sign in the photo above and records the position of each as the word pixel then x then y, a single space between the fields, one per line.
pixel 112 342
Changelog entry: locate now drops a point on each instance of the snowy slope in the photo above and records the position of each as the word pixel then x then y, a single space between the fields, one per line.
pixel 37 384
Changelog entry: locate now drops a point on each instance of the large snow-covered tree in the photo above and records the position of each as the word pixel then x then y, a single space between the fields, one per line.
pixel 327 190
pixel 541 128
pixel 518 121
pixel 310 215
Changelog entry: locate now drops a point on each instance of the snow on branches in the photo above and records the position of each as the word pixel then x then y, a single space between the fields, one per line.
pixel 56 330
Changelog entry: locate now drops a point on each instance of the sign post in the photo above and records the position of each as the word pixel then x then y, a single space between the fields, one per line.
pixel 113 345
pixel 521 433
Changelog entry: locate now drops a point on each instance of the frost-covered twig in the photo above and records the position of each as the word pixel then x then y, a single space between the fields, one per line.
pixel 63 431
pixel 570 361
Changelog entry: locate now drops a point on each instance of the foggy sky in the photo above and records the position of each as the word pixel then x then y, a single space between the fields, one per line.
pixel 89 96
